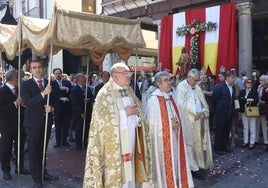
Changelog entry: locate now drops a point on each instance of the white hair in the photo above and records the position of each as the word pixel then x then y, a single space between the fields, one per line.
pixel 116 65
pixel 264 78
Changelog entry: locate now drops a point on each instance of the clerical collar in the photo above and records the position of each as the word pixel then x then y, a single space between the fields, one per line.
pixel 117 87
pixel 166 95
pixel 190 84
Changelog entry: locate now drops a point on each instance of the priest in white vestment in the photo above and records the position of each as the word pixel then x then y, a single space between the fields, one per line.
pixel 195 122
pixel 118 153
pixel 170 165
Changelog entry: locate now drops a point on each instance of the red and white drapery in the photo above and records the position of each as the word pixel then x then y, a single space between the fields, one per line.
pixel 216 48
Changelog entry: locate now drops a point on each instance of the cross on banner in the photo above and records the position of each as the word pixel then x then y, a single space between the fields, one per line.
pixel 194 29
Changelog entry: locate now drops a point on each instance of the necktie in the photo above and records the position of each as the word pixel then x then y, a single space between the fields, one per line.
pixel 84 89
pixel 40 85
pixel 123 92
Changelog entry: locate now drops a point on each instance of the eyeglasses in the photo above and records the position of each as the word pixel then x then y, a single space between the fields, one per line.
pixel 125 73
pixel 249 82
pixel 196 80
pixel 167 80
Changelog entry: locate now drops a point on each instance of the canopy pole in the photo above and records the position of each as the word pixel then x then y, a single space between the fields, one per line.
pixel 85 107
pixel 19 107
pixel 135 75
pixel 2 66
pixel 48 96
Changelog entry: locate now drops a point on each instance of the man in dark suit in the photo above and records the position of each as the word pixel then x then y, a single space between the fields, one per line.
pixel 9 104
pixel 78 109
pixel 34 94
pixel 105 76
pixel 62 107
pixel 223 97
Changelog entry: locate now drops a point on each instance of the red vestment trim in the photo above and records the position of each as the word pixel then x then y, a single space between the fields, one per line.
pixel 166 143
pixel 183 169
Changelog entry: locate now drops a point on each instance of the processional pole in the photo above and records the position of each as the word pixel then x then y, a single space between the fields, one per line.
pixel 1 64
pixel 85 107
pixel 135 75
pixel 48 96
pixel 19 88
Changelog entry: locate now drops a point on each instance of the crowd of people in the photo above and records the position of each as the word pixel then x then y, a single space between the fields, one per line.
pixel 174 121
pixel 156 136
pixel 68 107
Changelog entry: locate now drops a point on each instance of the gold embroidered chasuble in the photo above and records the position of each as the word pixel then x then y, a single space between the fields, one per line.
pixel 170 162
pixel 104 160
pixel 197 135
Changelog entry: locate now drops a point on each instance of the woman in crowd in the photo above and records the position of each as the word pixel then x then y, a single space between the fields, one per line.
pixel 263 84
pixel 248 97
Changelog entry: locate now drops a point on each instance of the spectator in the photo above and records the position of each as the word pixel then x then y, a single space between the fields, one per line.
pixel 247 97
pixel 262 121
pixel 61 89
pixel 79 99
pixel 223 96
pixel 105 76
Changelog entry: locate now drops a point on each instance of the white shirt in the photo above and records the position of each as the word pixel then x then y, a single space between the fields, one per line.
pixel 230 87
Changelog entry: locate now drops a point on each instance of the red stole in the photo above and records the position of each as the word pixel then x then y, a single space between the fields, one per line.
pixel 167 146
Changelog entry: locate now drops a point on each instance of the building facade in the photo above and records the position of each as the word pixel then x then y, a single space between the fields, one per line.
pixel 251 16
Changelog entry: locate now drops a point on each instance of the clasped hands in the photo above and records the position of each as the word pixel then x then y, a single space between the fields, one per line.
pixel 132 110
pixel 205 115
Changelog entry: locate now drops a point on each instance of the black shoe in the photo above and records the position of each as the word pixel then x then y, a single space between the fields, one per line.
pixel 7 176
pixel 251 146
pixel 23 171
pixel 227 149
pixel 66 144
pixel 56 145
pixel 219 152
pixel 49 177
pixel 244 145
pixel 37 185
pixel 198 174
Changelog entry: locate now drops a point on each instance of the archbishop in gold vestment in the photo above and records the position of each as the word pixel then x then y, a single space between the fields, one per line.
pixel 104 162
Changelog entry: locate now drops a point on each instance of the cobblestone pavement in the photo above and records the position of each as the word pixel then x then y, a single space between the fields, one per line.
pixel 244 168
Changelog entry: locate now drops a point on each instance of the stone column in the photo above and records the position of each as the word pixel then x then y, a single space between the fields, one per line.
pixel 245 36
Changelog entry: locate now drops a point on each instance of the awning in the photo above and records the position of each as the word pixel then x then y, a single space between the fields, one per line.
pixel 80 33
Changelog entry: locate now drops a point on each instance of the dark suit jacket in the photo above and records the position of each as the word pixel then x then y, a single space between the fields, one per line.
pixel 242 100
pixel 264 98
pixel 34 115
pixel 57 93
pixel 8 110
pixel 222 100
pixel 78 98
pixel 98 87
